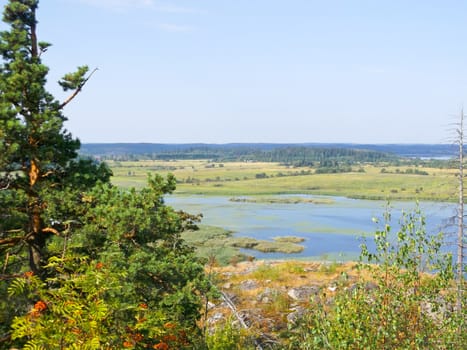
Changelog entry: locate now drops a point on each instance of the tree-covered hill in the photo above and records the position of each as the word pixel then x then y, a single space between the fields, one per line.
pixel 296 154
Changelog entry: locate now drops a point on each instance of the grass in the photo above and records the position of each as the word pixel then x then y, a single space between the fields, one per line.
pixel 289 239
pixel 266 246
pixel 216 243
pixel 213 243
pixel 240 179
pixel 281 200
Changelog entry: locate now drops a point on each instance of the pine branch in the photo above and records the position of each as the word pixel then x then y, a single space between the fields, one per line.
pixel 77 91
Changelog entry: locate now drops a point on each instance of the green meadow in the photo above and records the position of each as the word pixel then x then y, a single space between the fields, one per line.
pixel 203 177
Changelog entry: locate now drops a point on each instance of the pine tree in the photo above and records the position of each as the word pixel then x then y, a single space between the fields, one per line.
pixel 35 148
pixel 83 263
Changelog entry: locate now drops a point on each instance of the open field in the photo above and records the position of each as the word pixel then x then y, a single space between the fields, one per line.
pixel 261 178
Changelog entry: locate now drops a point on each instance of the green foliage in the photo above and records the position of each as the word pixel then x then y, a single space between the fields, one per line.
pixel 84 312
pixel 85 265
pixel 407 303
pixel 228 337
pixel 128 271
pixel 76 80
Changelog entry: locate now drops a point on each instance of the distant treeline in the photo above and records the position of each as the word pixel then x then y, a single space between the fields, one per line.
pixel 318 155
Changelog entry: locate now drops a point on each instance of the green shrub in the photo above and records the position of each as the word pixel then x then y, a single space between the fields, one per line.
pixel 229 337
pixel 407 305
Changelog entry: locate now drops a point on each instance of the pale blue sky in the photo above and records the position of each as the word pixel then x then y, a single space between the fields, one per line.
pixel 218 71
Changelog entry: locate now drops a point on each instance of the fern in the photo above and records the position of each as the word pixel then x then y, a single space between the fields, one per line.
pixel 31 345
pixel 21 327
pixel 17 287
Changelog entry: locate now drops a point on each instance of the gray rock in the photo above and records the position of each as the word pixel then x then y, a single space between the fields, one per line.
pixel 227 285
pixel 248 285
pixel 295 315
pixel 303 293
pixel 215 318
pixel 437 309
pixel 369 286
pixel 267 295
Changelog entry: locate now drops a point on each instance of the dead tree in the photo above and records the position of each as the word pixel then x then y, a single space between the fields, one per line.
pixel 460 241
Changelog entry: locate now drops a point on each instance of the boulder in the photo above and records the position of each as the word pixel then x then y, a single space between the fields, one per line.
pixel 303 293
pixel 248 285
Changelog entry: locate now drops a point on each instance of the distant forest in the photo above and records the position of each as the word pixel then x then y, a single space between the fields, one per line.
pixel 309 154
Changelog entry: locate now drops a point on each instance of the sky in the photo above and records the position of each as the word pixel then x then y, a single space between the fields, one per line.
pixel 282 71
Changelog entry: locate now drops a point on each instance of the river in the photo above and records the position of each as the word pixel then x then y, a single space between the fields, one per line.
pixel 331 231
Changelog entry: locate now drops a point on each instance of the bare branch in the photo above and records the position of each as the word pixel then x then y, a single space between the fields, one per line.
pixel 51 230
pixel 4 277
pixel 10 241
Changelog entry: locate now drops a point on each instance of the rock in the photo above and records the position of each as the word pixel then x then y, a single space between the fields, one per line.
pixel 303 293
pixel 215 318
pixel 227 285
pixel 267 295
pixel 369 286
pixel 246 318
pixel 248 285
pixel 295 315
pixel 437 309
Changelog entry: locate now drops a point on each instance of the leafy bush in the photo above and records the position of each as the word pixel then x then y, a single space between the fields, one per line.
pixel 403 298
pixel 229 337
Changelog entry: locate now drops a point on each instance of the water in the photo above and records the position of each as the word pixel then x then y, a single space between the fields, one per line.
pixel 331 231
